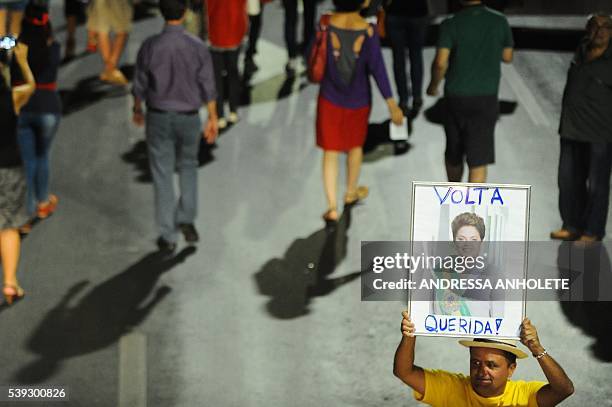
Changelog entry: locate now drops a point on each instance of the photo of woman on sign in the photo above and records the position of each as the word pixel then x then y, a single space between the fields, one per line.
pixel 468 231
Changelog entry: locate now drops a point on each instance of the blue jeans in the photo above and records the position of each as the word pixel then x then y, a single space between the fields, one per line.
pixel 407 32
pixel 36 131
pixel 173 141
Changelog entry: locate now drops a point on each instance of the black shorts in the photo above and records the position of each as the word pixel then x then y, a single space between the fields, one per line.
pixel 470 128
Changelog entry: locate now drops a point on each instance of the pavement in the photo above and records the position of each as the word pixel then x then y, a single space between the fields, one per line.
pixel 266 309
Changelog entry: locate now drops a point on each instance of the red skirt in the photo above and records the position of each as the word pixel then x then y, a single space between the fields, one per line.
pixel 340 128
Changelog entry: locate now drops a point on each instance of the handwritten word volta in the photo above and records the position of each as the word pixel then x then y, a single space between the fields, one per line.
pixel 469 196
pixel 460 325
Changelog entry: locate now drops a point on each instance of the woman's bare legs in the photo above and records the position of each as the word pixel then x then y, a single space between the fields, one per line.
pixel 117 48
pixel 15 25
pixel 111 50
pixel 10 244
pixel 3 17
pixel 353 168
pixel 330 182
pixel 104 43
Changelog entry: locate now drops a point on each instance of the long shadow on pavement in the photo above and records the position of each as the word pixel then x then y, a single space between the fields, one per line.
pixel 107 312
pixel 90 90
pixel 378 143
pixel 595 273
pixel 303 272
pixel 437 112
pixel 275 88
pixel 530 38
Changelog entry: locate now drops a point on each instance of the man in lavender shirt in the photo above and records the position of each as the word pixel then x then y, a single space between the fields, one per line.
pixel 174 77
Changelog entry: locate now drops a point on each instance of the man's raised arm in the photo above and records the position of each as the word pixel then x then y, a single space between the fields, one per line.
pixel 559 386
pixel 403 365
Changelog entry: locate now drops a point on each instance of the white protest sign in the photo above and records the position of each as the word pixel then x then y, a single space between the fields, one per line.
pixel 481 221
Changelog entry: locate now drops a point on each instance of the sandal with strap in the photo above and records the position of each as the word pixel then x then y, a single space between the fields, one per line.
pixel 12 293
pixel 46 210
pixel 352 198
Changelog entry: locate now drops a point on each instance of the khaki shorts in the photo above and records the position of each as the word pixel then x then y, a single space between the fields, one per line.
pixel 110 15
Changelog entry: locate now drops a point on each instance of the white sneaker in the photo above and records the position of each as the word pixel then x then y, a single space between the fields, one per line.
pixel 222 123
pixel 233 118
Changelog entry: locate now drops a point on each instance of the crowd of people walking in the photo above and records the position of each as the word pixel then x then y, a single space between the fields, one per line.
pixel 177 74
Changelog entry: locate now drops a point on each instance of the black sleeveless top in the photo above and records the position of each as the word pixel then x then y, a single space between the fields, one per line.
pixel 9 151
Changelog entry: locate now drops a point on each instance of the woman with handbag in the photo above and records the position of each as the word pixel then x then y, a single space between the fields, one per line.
pixel 352 54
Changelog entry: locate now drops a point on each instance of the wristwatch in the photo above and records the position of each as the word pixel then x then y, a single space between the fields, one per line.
pixel 541 355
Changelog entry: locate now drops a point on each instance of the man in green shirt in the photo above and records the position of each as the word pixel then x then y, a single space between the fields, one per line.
pixel 470 47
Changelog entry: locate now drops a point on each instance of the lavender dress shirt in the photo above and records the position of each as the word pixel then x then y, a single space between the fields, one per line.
pixel 174 71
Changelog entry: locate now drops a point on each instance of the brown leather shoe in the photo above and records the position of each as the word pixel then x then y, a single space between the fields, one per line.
pixel 563 234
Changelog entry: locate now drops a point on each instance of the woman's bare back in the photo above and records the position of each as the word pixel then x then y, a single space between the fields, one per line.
pixel 349 21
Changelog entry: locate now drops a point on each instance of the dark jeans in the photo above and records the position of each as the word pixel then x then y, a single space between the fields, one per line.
pixel 173 142
pixel 291 17
pixel 225 64
pixel 584 186
pixel 36 131
pixel 407 32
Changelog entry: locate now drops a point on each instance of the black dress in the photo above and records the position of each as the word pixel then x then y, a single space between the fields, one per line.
pixel 12 178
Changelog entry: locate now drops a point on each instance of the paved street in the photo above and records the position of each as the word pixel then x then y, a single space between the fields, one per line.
pixel 237 320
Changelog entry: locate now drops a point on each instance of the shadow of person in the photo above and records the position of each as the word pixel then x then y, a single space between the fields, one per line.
pixel 275 88
pixel 138 157
pixel 90 90
pixel 4 306
pixel 437 112
pixel 552 39
pixel 108 311
pixel 304 270
pixel 377 141
pixel 531 38
pixel 589 305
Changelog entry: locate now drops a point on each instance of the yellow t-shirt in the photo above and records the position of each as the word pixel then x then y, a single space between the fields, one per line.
pixel 444 389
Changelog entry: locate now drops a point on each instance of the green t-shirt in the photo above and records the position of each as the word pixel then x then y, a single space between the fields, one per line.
pixel 476 37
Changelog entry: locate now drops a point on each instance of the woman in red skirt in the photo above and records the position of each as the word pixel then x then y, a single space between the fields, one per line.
pixel 345 98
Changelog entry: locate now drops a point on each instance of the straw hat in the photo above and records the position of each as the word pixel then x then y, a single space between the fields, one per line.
pixel 502 344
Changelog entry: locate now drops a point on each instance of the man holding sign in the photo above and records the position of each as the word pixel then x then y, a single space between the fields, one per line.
pixel 492 363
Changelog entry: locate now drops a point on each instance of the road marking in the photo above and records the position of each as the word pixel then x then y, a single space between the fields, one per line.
pixel 526 98
pixel 133 370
